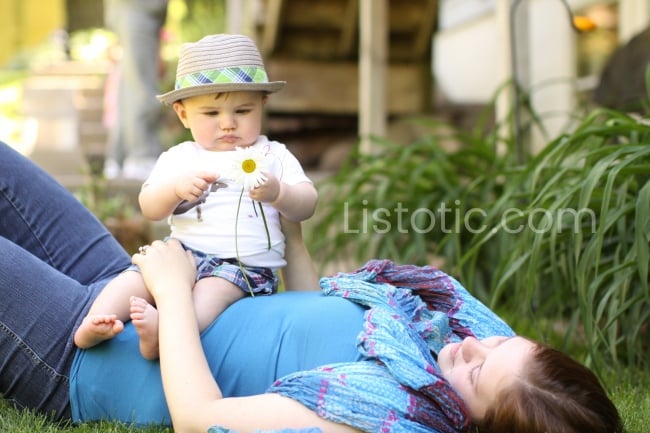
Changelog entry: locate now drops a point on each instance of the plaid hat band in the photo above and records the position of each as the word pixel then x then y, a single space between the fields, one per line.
pixel 234 75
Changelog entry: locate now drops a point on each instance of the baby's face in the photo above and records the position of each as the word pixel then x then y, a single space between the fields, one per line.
pixel 223 121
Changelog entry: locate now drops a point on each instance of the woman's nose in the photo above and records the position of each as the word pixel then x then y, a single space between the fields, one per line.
pixel 473 348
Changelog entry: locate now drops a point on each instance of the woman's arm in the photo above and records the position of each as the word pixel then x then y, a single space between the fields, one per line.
pixel 194 399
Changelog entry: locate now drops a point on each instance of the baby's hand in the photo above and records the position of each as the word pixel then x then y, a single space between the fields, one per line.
pixel 191 186
pixel 267 192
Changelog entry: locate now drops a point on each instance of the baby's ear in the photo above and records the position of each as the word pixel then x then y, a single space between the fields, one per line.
pixel 181 112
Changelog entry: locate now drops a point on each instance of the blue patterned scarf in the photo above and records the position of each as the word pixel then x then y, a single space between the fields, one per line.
pixel 412 312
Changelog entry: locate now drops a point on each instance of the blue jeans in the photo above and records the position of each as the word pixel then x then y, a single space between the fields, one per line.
pixel 55 257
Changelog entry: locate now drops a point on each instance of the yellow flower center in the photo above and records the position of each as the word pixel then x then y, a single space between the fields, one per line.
pixel 248 165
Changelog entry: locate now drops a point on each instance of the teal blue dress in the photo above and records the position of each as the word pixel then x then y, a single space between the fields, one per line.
pixel 251 345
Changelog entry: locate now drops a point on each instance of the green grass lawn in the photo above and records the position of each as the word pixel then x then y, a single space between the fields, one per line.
pixel 16 421
pixel 632 397
pixel 630 394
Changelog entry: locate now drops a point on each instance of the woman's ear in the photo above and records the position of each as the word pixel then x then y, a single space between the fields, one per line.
pixel 181 112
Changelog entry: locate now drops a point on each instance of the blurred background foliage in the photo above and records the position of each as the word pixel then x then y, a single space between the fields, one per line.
pixel 33 26
pixel 38 34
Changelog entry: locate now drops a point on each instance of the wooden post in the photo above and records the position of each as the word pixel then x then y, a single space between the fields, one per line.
pixel 373 47
pixel 235 16
pixel 513 28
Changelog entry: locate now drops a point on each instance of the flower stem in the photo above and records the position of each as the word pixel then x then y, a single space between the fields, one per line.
pixel 241 267
pixel 266 227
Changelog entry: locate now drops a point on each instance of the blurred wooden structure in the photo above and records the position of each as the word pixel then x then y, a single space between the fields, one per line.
pixel 314 45
pixel 370 58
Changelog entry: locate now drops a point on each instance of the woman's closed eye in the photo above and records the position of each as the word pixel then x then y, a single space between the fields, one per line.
pixel 473 374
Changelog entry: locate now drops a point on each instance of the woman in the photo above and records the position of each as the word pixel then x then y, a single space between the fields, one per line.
pixel 56 258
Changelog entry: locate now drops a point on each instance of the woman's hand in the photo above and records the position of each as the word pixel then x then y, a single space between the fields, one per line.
pixel 166 268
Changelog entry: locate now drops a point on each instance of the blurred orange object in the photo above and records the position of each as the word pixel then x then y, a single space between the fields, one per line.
pixel 583 23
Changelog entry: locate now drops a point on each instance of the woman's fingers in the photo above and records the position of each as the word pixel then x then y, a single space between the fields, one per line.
pixel 164 265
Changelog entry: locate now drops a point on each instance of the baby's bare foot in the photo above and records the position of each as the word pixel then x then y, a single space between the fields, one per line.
pixel 145 319
pixel 97 328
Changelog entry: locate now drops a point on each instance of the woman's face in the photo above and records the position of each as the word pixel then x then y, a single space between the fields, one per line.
pixel 479 369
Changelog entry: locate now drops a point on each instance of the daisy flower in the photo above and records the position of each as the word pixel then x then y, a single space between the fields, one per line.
pixel 247 170
pixel 248 167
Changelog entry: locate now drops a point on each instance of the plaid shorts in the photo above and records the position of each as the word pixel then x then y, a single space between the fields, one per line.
pixel 258 281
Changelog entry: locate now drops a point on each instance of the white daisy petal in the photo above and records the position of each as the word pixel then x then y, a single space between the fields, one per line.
pixel 261 180
pixel 248 167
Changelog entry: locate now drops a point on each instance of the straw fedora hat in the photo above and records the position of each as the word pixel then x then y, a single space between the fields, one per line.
pixel 219 63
